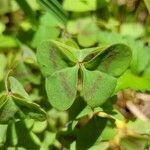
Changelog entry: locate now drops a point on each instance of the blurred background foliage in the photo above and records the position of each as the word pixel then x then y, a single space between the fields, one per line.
pixel 24 24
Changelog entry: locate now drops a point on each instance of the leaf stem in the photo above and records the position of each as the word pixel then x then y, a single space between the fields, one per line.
pixel 6 81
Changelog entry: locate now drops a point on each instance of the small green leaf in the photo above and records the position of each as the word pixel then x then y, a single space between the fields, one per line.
pixel 50 58
pixel 8 110
pixel 31 109
pixel 139 50
pixel 86 29
pixel 89 35
pixel 67 50
pixel 97 87
pixel 61 88
pixel 17 88
pixel 114 60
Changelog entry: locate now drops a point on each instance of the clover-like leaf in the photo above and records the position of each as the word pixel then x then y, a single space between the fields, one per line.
pixel 51 58
pixel 15 105
pixel 31 109
pixel 114 60
pixel 8 110
pixel 17 102
pixel 62 80
pixel 61 87
pixel 86 29
pixel 97 87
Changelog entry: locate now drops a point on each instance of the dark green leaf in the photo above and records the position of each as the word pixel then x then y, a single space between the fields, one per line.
pixel 61 87
pixel 8 110
pixel 97 87
pixel 31 109
pixel 86 136
pixel 114 60
pixel 50 58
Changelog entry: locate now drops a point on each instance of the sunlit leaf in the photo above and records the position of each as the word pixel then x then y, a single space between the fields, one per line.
pixel 114 60
pixel 97 87
pixel 61 88
pixel 17 88
pixel 50 58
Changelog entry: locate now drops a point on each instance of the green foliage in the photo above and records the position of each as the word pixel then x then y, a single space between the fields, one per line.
pixel 62 80
pixel 74 74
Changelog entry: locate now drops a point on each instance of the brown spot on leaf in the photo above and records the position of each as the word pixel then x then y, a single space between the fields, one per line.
pixel 67 88
pixel 110 56
pixel 91 90
pixel 53 58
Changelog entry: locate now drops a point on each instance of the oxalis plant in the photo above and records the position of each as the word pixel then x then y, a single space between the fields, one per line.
pixel 90 73
pixel 15 103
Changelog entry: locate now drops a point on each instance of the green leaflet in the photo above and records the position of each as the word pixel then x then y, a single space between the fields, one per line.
pixel 61 88
pixel 17 101
pixel 50 58
pixel 114 60
pixel 97 87
pixel 14 105
pixel 86 29
pixel 139 50
pixel 67 50
pixel 31 109
pixel 17 88
pixel 8 110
